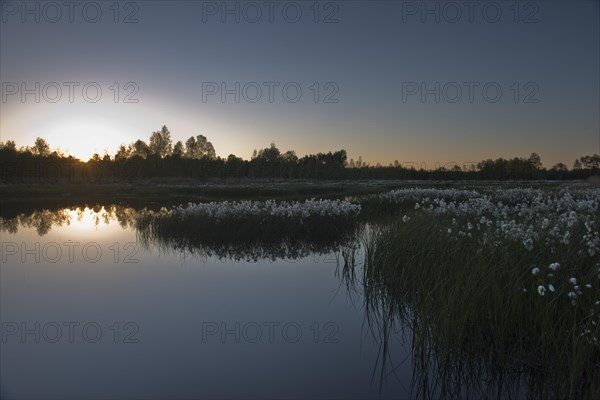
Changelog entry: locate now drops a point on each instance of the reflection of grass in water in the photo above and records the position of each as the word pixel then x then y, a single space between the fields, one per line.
pixel 474 331
pixel 248 238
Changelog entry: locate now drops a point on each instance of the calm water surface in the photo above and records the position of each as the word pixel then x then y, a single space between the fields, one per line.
pixel 88 308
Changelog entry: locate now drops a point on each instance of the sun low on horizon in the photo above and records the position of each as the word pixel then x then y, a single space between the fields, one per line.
pixel 243 86
pixel 79 138
pixel 79 129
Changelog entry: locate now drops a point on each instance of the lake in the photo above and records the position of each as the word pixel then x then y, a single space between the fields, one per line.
pixel 479 292
pixel 88 309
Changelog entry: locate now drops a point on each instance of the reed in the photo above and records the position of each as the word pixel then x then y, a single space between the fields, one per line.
pixel 490 313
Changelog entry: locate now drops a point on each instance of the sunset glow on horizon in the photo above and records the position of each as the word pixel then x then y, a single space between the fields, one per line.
pixel 372 92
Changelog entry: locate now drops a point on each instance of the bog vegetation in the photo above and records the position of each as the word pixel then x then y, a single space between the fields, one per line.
pixel 500 288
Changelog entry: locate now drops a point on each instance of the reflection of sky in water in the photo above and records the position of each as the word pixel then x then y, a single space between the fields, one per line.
pixel 169 296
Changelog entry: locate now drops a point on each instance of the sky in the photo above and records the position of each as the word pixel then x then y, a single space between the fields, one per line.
pixel 426 83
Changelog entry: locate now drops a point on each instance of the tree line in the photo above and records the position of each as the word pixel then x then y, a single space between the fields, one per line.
pixel 197 159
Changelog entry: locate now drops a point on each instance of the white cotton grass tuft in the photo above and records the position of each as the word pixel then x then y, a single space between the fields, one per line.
pixel 243 209
pixel 573 281
pixel 541 290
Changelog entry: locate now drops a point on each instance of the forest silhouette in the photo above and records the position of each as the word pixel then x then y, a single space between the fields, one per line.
pixel 196 159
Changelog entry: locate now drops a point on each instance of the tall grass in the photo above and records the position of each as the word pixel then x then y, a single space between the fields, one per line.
pixel 478 324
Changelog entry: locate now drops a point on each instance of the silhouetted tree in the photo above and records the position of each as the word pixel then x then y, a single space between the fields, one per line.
pixel 139 149
pixel 559 171
pixel 40 148
pixel 95 157
pixel 122 153
pixel 233 159
pixel 199 147
pixel 535 160
pixel 178 149
pixel 161 143
pixel 590 162
pixel 10 145
pixel 269 155
pixel 560 167
pixel 289 157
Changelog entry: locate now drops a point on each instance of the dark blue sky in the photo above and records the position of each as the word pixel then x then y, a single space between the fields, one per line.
pixel 375 61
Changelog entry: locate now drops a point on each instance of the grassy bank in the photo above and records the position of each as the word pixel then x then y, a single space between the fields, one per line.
pixel 500 290
pixel 27 198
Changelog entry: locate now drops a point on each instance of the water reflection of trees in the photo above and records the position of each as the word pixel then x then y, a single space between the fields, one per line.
pixel 235 241
pixel 44 220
